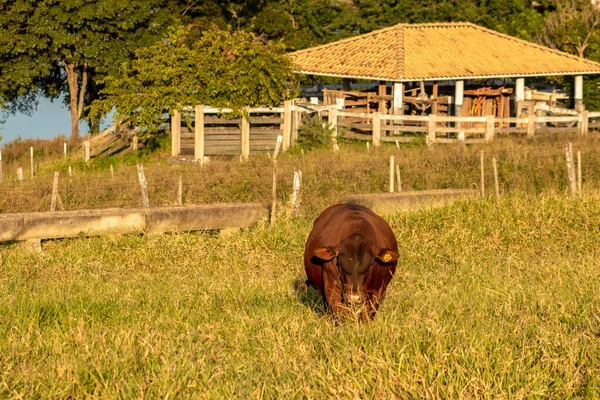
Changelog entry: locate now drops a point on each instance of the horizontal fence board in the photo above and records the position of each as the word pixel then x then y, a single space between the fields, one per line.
pixel 465 130
pixel 404 128
pixel 557 119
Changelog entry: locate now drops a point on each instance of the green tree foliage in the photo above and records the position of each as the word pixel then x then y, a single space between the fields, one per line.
pixel 67 46
pixel 221 69
pixel 515 17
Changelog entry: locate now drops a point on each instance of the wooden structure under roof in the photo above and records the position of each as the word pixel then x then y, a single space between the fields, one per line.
pixel 438 52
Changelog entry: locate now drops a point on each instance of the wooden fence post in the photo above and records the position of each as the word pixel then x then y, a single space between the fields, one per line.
pixel 579 181
pixel 180 191
pixel 332 119
pixel 531 125
pixel 287 124
pixel 570 169
pixel 143 185
pixel 582 124
pixel 55 195
pixel 376 129
pixel 398 179
pixel 295 199
pixel 297 121
pixel 489 128
pixel 274 193
pixel 65 152
pixel 175 134
pixel 482 165
pixel 246 133
pixel 496 182
pixel 391 174
pixel 31 157
pixel 86 151
pixel 20 173
pixel 199 133
pixel 431 125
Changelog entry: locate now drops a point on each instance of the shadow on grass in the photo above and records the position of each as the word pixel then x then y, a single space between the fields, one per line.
pixel 309 297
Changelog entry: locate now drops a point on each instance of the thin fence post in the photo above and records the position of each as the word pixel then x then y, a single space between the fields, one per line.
pixel 112 171
pixel 295 199
pixel 531 125
pixel 274 194
pixel 332 119
pixel 143 185
pixel 55 195
pixel 570 169
pixel 180 191
pixel 398 180
pixel 496 182
pixel 431 125
pixel 376 129
pixel 246 133
pixel 391 174
pixel 65 152
pixel 579 181
pixel 585 120
pixel 31 157
pixel 20 174
pixel 287 124
pixel 482 168
pixel 199 133
pixel 86 151
pixel 175 134
pixel 489 128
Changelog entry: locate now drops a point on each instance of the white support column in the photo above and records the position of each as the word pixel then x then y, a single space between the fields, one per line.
pixel 459 91
pixel 578 95
pixel 398 93
pixel 520 89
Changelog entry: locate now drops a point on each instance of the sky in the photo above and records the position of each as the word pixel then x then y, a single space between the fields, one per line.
pixel 51 119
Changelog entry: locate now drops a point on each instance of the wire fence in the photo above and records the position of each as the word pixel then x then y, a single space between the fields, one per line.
pixel 326 177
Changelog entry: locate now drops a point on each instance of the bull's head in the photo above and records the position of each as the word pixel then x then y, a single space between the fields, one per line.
pixel 353 259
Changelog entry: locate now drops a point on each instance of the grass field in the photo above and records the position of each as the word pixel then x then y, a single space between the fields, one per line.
pixel 490 300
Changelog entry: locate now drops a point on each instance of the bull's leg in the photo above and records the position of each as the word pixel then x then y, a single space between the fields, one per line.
pixel 333 298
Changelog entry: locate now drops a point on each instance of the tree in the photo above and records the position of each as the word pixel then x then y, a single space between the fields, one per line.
pixel 221 69
pixel 54 47
pixel 572 27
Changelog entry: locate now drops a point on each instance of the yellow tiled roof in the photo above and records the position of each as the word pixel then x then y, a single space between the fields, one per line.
pixel 437 52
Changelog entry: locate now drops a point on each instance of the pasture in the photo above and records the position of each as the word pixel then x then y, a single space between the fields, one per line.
pixel 491 299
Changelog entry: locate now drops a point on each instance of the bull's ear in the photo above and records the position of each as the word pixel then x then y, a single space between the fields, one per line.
pixel 387 255
pixel 326 253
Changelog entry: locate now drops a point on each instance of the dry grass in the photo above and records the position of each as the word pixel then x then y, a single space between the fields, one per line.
pixel 531 166
pixel 491 300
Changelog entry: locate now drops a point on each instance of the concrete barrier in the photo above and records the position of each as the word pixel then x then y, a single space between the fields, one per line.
pixel 62 224
pixel 410 199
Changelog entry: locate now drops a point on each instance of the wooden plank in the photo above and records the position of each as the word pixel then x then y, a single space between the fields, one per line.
pixel 199 133
pixel 175 134
pixel 245 137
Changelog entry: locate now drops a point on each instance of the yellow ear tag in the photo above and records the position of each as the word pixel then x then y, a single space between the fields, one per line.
pixel 386 257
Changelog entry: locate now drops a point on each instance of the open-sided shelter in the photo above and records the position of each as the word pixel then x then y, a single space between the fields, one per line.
pixel 441 52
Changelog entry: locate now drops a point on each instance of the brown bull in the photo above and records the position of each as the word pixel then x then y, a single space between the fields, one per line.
pixel 350 257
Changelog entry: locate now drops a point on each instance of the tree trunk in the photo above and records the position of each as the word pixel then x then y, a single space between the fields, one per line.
pixel 75 95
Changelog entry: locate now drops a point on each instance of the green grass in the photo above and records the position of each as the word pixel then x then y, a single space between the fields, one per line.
pixel 490 300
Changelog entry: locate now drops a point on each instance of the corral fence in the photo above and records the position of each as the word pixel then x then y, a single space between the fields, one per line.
pixel 207 131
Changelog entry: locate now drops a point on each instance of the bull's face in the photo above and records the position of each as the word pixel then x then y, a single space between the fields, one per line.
pixel 351 263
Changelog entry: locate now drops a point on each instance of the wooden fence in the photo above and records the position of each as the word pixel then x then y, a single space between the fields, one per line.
pixel 379 127
pixel 207 131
